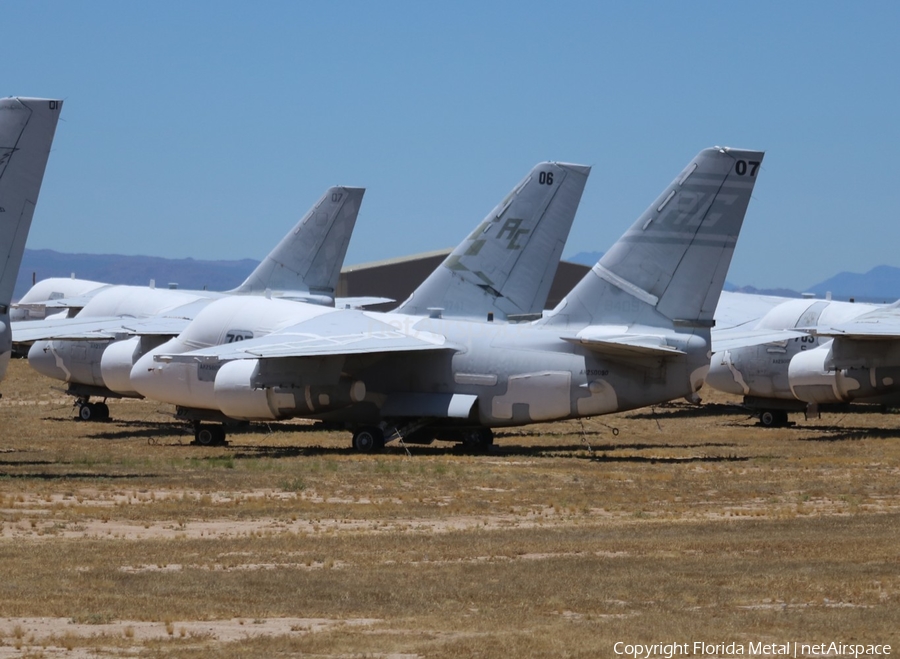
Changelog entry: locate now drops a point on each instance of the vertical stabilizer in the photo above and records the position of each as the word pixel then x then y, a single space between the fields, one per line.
pixel 506 266
pixel 308 260
pixel 669 267
pixel 27 126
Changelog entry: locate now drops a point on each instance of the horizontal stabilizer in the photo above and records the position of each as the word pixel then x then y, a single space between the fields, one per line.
pixel 625 345
pixel 361 302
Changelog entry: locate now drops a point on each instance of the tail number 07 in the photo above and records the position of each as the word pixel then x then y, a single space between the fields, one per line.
pixel 740 167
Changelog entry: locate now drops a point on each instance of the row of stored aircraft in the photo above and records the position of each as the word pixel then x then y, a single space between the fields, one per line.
pixel 470 350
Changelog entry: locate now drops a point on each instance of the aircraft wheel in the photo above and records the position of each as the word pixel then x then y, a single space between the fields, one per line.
pixel 478 438
pixel 205 436
pixel 773 418
pixel 366 440
pixel 86 411
pixel 101 411
pixel 219 435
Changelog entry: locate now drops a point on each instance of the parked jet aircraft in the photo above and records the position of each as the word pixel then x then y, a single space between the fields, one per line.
pixel 55 296
pixel 635 331
pixel 840 352
pixel 27 126
pixel 502 270
pixel 93 352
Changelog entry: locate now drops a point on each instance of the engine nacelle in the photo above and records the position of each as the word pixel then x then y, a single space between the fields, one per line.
pixel 116 364
pixel 70 361
pixel 814 379
pixel 240 395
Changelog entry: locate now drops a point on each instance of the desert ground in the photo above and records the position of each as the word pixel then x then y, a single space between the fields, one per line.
pixel 675 524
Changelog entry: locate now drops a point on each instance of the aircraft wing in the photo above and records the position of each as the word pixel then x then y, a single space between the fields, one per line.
pixel 95 328
pixel 744 309
pixel 877 325
pixel 77 302
pixel 346 332
pixel 732 339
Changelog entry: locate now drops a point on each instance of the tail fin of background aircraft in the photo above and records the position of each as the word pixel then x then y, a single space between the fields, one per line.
pixel 506 266
pixel 308 260
pixel 669 267
pixel 27 126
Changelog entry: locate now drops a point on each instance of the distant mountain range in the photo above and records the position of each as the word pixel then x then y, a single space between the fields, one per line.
pixel 134 270
pixel 880 284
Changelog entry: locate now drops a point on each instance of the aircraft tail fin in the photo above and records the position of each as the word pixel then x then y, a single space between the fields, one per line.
pixel 507 264
pixel 669 267
pixel 310 257
pixel 27 126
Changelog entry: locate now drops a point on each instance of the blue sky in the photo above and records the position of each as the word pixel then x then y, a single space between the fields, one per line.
pixel 207 129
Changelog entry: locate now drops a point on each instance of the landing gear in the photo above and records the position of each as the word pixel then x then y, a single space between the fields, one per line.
pixel 208 435
pixel 478 438
pixel 773 418
pixel 368 439
pixel 88 411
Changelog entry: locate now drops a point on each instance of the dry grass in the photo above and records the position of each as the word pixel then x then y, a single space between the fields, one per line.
pixel 688 524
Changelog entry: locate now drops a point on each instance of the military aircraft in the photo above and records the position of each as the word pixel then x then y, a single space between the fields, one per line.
pixel 836 352
pixel 27 126
pixel 634 331
pixel 55 296
pixel 93 352
pixel 502 271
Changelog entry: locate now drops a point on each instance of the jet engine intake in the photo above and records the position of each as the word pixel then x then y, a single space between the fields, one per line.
pixel 814 379
pixel 116 364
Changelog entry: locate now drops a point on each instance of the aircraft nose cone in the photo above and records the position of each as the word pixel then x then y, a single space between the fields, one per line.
pixel 724 376
pixel 42 357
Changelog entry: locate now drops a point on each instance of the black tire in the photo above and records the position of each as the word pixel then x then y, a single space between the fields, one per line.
pixel 478 438
pixel 773 418
pixel 205 436
pixel 101 411
pixel 219 434
pixel 86 411
pixel 367 440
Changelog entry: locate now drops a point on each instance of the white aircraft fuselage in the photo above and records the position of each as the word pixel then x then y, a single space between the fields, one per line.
pixel 489 374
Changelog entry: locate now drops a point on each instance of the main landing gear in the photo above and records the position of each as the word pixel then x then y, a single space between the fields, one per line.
pixel 773 418
pixel 208 435
pixel 88 411
pixel 479 439
pixel 368 439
